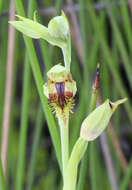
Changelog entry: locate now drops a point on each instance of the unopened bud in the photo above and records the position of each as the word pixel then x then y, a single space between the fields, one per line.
pixel 58 27
pixel 98 120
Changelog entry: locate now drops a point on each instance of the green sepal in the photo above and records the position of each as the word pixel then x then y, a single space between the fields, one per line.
pixel 57 33
pixel 22 27
pixel 35 30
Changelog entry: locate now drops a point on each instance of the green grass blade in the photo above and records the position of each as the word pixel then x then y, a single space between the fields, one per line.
pixel 126 23
pixel 1 5
pixel 85 52
pixel 2 183
pixel 23 126
pixel 128 176
pixel 36 138
pixel 39 82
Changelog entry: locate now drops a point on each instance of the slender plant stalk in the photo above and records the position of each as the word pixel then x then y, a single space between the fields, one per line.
pixel 67 55
pixel 2 183
pixel 72 168
pixel 64 134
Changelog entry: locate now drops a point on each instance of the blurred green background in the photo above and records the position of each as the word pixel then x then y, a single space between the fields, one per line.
pixel 101 32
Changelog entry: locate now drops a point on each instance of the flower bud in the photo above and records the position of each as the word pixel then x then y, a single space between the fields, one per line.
pixel 58 27
pixel 98 120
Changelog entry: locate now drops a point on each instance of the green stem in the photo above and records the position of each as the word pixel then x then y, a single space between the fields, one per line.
pixel 2 183
pixel 64 133
pixel 71 172
pixel 67 54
